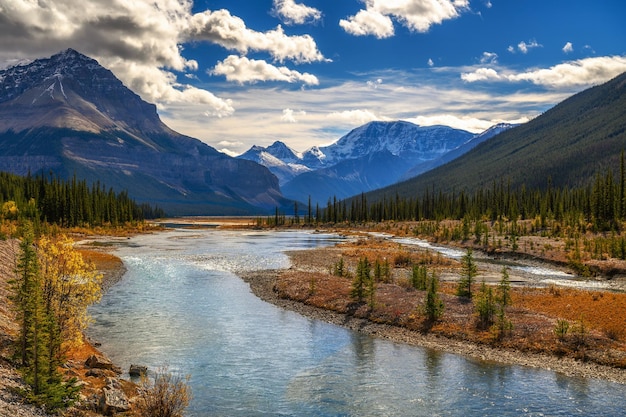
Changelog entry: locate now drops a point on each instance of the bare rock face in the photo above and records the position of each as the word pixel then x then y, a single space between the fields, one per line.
pixel 113 399
pixel 70 116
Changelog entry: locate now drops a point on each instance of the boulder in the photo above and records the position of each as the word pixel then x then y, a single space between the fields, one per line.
pixel 113 401
pixel 137 370
pixel 100 362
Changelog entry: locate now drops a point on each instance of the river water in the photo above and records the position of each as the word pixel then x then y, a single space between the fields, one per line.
pixel 181 305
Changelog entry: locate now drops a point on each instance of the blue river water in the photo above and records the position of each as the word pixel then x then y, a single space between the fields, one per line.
pixel 182 306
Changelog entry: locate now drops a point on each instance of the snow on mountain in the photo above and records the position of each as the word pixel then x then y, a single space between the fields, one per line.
pixel 371 156
pixel 400 138
pixel 280 159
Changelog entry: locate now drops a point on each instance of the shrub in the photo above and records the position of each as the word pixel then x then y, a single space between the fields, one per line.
pixel 167 395
pixel 561 329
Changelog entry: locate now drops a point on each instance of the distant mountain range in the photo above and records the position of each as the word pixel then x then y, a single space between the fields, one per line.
pixel 67 115
pixel 369 157
pixel 566 147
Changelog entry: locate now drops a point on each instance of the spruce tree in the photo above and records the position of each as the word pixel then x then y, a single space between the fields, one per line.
pixel 433 306
pixel 469 272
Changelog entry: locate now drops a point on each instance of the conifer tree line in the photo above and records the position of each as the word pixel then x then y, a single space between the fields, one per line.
pixel 70 203
pixel 601 204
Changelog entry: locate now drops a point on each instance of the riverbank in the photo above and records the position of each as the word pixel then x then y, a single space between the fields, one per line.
pixel 93 381
pixel 309 289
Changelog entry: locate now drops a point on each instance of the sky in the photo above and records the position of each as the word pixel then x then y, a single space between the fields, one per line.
pixel 237 73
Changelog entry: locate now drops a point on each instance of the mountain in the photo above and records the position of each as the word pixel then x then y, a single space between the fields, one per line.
pixel 565 146
pixel 68 115
pixel 371 156
pixel 346 178
pixel 455 153
pixel 280 159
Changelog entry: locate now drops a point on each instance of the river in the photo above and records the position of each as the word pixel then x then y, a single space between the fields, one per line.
pixel 181 305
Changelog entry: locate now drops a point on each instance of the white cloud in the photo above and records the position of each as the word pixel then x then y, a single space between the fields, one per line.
pixel 231 32
pixel 481 74
pixel 375 84
pixel 579 73
pixel 354 117
pixel 293 13
pixel 471 124
pixel 430 62
pixel 417 15
pixel 368 22
pixel 568 48
pixel 333 110
pixel 524 47
pixel 289 115
pixel 243 70
pixel 489 58
pixel 141 42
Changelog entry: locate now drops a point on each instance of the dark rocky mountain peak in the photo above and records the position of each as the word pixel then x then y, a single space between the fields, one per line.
pixel 69 115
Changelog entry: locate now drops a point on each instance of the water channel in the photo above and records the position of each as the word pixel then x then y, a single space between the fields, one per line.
pixel 181 305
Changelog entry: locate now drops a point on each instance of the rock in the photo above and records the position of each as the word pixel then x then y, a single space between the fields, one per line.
pixel 113 401
pixel 97 373
pixel 137 370
pixel 100 362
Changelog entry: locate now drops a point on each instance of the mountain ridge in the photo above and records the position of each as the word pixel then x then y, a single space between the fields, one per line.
pixel 69 115
pixel 566 146
pixel 370 156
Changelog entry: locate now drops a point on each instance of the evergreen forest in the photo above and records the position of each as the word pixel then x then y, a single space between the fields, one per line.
pixel 69 203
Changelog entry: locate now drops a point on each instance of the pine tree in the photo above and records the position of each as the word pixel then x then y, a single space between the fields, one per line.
pixel 433 305
pixel 361 280
pixel 485 306
pixel 469 272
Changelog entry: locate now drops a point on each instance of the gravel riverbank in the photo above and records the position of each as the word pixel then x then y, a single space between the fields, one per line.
pixel 262 284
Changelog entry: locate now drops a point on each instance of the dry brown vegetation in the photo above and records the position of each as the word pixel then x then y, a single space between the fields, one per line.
pixel 596 319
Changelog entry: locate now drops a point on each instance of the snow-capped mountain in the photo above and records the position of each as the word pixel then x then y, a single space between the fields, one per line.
pixel 371 156
pixel 455 153
pixel 68 115
pixel 403 139
pixel 280 159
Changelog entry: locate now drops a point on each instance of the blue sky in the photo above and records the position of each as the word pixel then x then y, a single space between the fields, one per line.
pixel 243 72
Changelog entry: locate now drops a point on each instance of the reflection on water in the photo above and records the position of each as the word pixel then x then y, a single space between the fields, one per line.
pixel 180 304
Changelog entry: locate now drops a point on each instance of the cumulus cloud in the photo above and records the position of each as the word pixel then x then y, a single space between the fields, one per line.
pixel 290 115
pixel 524 47
pixel 140 41
pixel 579 73
pixel 293 13
pixel 355 117
pixel 481 74
pixel 416 15
pixel 368 22
pixel 232 33
pixel 430 62
pixel 470 124
pixel 243 70
pixel 568 48
pixel 489 58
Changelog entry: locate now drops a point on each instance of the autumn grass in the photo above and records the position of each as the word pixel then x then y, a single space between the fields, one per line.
pixel 597 319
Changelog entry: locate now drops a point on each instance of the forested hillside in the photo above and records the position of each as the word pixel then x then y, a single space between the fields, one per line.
pixel 568 144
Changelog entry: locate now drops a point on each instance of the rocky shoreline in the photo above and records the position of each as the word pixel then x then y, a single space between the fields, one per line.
pixel 262 284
